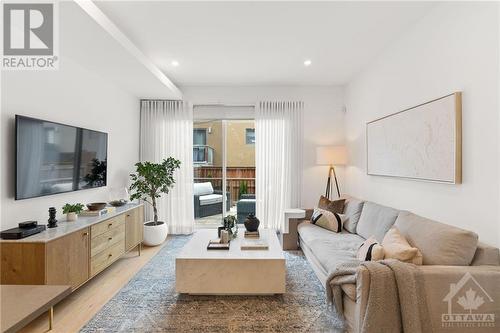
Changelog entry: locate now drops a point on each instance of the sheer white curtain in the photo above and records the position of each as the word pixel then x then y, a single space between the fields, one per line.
pixel 167 130
pixel 278 159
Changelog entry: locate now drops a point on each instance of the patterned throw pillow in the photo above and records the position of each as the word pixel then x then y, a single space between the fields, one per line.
pixel 328 220
pixel 370 250
pixel 334 206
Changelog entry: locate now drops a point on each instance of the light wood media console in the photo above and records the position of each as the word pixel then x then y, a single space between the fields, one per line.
pixel 74 252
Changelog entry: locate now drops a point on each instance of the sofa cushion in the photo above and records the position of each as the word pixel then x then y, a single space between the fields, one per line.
pixel 310 233
pixel 375 220
pixel 440 244
pixel 203 188
pixel 329 248
pixel 210 199
pixel 334 206
pixel 352 211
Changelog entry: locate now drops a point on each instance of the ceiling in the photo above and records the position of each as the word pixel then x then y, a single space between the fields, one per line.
pixel 83 40
pixel 253 43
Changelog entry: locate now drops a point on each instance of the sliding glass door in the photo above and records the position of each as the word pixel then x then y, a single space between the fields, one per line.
pixel 224 170
pixel 240 167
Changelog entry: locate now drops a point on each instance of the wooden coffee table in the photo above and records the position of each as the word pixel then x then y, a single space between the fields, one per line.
pixel 21 304
pixel 233 271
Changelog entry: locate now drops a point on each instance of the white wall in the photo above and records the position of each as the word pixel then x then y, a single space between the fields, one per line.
pixel 75 96
pixel 323 122
pixel 453 48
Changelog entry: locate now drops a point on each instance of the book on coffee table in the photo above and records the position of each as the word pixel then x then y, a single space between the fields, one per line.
pixel 254 244
pixel 252 234
pixel 217 246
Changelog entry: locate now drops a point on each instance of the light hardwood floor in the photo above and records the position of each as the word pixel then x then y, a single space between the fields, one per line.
pixel 78 308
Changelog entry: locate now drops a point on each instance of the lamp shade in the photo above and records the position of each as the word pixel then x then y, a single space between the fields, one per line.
pixel 331 155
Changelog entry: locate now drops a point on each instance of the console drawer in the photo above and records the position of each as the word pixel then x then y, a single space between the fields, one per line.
pixel 106 257
pixel 100 228
pixel 107 239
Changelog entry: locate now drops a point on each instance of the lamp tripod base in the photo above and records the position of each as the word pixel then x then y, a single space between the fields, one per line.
pixel 329 183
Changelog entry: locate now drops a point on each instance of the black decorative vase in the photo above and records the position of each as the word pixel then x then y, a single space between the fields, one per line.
pixel 52 222
pixel 252 223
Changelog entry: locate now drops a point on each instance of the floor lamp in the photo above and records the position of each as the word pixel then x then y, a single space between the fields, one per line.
pixel 331 156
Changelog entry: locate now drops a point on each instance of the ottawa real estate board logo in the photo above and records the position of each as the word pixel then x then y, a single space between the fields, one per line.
pixel 30 36
pixel 469 305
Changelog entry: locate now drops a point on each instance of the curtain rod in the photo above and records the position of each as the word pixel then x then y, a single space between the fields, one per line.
pixel 161 100
pixel 225 105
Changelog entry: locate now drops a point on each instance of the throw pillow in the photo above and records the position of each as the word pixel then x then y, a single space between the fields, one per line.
pixel 328 220
pixel 334 206
pixel 352 210
pixel 397 247
pixel 370 250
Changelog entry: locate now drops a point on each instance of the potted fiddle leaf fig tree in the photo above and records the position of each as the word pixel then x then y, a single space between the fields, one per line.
pixel 149 182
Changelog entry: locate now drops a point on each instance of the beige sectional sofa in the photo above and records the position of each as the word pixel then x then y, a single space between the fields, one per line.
pixel 448 254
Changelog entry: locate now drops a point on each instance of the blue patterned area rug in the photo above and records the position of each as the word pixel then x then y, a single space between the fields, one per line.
pixel 149 303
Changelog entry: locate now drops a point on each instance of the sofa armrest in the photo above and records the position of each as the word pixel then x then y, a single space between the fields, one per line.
pixel 309 213
pixel 289 238
pixel 442 286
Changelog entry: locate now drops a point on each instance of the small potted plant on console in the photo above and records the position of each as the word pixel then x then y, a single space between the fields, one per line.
pixel 72 211
pixel 149 182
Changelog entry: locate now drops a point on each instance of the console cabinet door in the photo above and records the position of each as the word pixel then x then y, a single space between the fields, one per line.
pixel 68 259
pixel 134 220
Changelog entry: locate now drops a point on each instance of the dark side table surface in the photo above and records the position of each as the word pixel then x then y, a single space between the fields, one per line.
pixel 21 304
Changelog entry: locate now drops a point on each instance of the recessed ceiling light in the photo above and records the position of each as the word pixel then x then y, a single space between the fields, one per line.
pixel 175 63
pixel 307 62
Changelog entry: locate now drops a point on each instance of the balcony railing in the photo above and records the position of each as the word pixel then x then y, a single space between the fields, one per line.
pixel 203 155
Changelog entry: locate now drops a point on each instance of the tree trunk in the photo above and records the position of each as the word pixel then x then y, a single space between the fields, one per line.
pixel 155 211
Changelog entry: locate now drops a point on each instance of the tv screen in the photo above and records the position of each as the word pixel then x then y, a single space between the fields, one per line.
pixel 55 158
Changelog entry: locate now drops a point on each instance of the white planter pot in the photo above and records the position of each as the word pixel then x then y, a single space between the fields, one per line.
pixel 155 234
pixel 70 217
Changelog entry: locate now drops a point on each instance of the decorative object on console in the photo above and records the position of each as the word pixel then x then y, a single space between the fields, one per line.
pixel 420 143
pixel 118 203
pixel 25 229
pixel 96 206
pixel 118 196
pixel 97 212
pixel 52 222
pixel 331 156
pixel 149 182
pixel 72 211
pixel 252 223
pixel 28 224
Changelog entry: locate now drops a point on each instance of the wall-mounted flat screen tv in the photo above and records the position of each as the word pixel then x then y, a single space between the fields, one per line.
pixel 55 158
